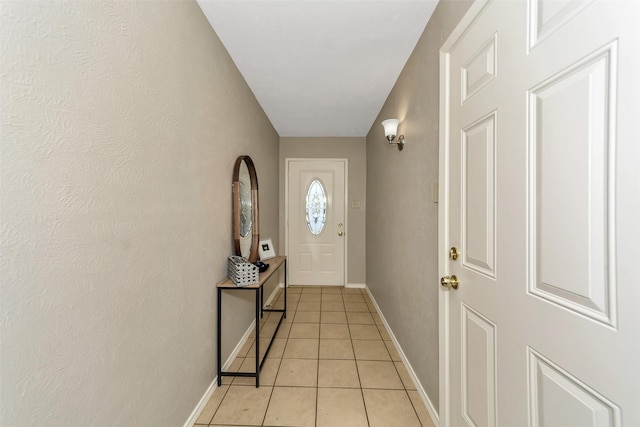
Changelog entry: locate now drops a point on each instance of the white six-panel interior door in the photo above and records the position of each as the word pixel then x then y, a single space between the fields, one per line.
pixel 316 259
pixel 539 172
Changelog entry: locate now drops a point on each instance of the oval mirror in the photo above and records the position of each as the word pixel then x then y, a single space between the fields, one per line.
pixel 246 231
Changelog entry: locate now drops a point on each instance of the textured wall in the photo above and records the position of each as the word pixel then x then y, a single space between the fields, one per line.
pixel 353 149
pixel 120 124
pixel 402 219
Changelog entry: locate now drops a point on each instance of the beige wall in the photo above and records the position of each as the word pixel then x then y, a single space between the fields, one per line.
pixel 121 121
pixel 402 219
pixel 352 149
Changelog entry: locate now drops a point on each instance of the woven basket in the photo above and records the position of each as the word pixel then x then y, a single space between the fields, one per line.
pixel 241 271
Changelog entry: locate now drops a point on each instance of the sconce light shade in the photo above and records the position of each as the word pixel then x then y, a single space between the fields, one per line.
pixel 391 130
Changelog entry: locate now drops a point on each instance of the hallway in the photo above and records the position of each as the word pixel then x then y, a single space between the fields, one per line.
pixel 332 364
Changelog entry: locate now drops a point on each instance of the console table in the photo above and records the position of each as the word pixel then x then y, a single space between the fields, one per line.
pixel 228 285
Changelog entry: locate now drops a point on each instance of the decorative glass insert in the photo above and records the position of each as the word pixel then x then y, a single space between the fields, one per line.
pixel 316 207
pixel 245 210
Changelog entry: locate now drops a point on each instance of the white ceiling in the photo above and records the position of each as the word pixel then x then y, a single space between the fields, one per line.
pixel 320 67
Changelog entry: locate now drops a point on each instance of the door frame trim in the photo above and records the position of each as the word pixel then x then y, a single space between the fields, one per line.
pixel 476 9
pixel 345 162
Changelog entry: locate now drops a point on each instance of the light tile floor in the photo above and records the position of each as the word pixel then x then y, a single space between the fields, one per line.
pixel 332 364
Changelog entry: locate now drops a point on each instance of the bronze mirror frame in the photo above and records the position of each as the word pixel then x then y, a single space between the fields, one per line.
pixel 255 226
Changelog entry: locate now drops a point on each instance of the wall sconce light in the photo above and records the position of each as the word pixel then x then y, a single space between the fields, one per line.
pixel 391 130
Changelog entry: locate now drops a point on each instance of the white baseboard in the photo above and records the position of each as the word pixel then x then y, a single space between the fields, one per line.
pixel 274 294
pixel 421 392
pixel 202 404
pixel 356 285
pixel 214 384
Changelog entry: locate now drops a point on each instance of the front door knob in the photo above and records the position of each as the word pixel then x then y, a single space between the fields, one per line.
pixel 449 282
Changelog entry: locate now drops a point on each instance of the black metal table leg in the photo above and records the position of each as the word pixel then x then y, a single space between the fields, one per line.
pixel 258 311
pixel 219 340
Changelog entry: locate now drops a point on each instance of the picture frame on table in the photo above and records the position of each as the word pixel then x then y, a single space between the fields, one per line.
pixel 266 249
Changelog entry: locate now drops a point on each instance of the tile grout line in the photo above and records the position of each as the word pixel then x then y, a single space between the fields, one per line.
pixel 355 361
pixel 318 364
pixel 220 404
pixel 273 387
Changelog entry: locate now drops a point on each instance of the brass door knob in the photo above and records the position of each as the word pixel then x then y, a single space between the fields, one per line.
pixel 449 282
pixel 340 233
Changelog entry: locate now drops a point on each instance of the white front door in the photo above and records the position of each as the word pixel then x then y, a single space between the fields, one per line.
pixel 540 172
pixel 316 217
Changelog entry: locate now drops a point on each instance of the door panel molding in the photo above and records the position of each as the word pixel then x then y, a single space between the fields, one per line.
pixel 583 285
pixel 478 195
pixel 481 69
pixel 479 350
pixel 552 390
pixel 542 23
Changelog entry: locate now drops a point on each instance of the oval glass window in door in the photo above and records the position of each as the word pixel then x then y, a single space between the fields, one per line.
pixel 316 207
